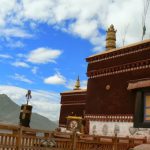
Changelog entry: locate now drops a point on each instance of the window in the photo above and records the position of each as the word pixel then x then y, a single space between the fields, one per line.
pixel 142 108
pixel 146 107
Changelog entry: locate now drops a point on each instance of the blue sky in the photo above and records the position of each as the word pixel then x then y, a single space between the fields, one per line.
pixel 68 63
pixel 44 44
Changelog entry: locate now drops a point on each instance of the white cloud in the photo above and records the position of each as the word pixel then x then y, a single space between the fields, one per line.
pixel 34 70
pixel 20 64
pixel 14 32
pixel 5 56
pixel 6 9
pixel 21 55
pixel 46 103
pixel 33 25
pixel 84 84
pixel 13 92
pixel 43 7
pixel 55 79
pixel 70 84
pixel 21 78
pixel 87 17
pixel 85 28
pixel 43 55
pixel 11 22
pixel 15 44
pixel 83 18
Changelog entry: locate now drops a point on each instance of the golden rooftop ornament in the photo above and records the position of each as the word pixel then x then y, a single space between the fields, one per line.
pixel 111 38
pixel 77 85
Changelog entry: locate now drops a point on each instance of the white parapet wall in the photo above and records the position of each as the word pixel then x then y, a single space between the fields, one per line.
pixel 122 129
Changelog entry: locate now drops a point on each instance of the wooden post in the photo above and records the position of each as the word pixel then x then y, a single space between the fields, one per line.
pixel 131 143
pixel 145 140
pixel 74 139
pixel 19 139
pixel 115 142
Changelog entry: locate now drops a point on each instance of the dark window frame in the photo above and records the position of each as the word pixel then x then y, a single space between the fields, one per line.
pixel 140 109
pixel 145 107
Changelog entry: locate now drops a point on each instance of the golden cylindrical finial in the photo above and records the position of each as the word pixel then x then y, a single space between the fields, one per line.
pixel 111 38
pixel 77 85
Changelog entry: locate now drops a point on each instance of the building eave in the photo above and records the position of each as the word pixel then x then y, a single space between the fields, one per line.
pixel 88 59
pixel 74 91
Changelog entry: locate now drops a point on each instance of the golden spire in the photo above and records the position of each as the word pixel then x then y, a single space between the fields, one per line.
pixel 111 38
pixel 77 84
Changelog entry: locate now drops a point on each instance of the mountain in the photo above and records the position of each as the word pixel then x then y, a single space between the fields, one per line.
pixel 9 113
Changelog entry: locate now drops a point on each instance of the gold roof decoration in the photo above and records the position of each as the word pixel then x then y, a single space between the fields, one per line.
pixel 111 38
pixel 74 117
pixel 77 84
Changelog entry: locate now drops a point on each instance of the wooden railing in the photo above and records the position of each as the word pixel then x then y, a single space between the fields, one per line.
pixel 21 138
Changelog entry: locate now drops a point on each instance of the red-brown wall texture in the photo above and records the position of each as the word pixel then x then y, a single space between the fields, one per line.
pixel 72 103
pixel 108 79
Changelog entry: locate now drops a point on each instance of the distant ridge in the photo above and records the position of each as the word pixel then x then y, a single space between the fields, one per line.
pixel 9 113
